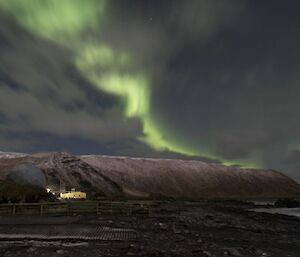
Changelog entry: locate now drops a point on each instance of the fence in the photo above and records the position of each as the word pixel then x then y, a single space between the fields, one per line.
pixel 77 207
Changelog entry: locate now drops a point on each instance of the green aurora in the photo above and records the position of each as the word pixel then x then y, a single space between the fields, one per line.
pixel 69 23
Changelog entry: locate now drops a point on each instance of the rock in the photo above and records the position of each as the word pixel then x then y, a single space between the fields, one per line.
pixel 31 249
pixel 197 250
pixel 163 225
pixel 287 203
pixel 233 252
pixel 80 244
pixel 143 253
pixel 163 237
pixel 180 238
pixel 7 253
pixel 208 254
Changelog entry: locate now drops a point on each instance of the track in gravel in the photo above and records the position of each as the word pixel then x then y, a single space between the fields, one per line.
pixel 96 233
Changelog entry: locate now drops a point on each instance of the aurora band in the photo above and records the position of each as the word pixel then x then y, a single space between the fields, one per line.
pixel 65 22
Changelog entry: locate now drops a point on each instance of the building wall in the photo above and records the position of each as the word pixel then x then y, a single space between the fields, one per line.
pixel 73 195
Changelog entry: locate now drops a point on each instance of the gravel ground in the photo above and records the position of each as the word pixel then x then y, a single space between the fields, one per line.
pixel 182 229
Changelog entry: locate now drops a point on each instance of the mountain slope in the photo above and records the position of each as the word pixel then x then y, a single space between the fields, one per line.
pixel 143 177
pixel 154 178
pixel 11 155
pixel 64 170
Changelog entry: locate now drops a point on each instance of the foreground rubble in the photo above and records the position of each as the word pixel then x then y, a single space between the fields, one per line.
pixel 183 229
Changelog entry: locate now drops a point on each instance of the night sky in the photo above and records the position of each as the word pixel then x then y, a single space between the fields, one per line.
pixel 214 80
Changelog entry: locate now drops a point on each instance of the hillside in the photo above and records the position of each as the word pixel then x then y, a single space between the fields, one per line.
pixel 11 155
pixel 154 178
pixel 142 177
pixel 62 169
pixel 12 192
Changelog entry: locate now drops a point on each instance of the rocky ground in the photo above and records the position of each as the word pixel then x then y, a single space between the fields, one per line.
pixel 200 229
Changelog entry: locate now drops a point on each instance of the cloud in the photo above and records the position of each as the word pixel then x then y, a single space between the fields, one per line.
pixel 41 91
pixel 137 149
pixel 223 81
pixel 26 113
pixel 200 20
pixel 14 143
pixel 239 144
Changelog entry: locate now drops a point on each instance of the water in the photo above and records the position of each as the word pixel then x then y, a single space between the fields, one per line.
pixel 286 211
pixel 263 202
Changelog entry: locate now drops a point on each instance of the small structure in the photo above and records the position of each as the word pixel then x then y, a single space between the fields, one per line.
pixel 73 194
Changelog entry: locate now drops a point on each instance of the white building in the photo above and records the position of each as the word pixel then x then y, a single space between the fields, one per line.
pixel 73 194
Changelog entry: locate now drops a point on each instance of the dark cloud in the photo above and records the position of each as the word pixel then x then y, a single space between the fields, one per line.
pixel 236 91
pixel 137 149
pixel 198 20
pixel 293 158
pixel 238 144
